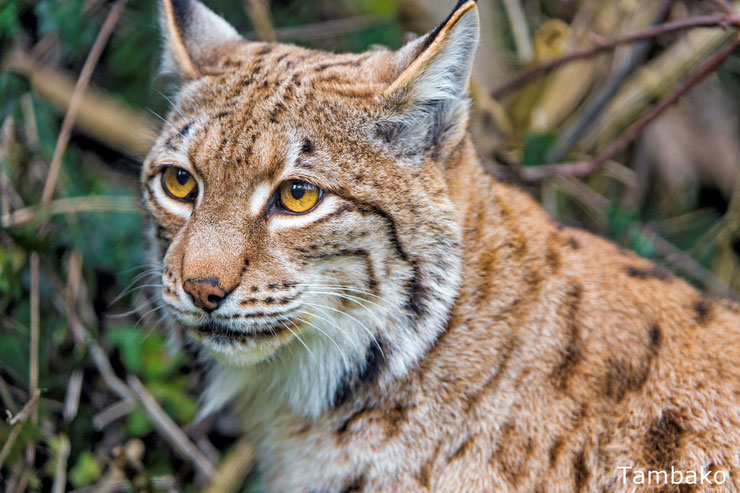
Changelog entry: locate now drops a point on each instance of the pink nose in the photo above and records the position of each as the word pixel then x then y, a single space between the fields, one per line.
pixel 207 294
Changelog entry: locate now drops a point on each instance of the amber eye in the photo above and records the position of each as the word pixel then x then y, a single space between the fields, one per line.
pixel 298 196
pixel 178 183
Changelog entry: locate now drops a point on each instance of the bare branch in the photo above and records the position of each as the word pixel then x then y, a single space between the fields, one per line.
pixel 60 467
pixel 607 45
pixel 26 410
pixel 169 430
pixel 74 105
pixel 17 424
pixel 585 168
pixel 693 268
pixel 72 397
pixel 234 469
pixel 71 205
pixel 258 12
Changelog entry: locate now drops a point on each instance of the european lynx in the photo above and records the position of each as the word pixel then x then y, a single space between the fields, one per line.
pixel 386 315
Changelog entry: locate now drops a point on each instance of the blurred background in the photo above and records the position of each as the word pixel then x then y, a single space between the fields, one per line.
pixel 94 399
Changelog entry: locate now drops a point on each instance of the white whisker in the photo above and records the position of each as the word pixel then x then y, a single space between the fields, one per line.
pixel 344 358
pixel 359 302
pixel 372 336
pixel 299 339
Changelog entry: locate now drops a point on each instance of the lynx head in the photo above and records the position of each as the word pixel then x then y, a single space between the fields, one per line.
pixel 302 217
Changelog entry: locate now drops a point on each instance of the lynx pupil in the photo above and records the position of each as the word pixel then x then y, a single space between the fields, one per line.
pixel 298 190
pixel 182 176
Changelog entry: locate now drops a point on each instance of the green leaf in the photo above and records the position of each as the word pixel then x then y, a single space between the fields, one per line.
pixel 174 397
pixel 12 87
pixel 619 220
pixel 65 18
pixel 137 423
pixel 8 19
pixel 641 244
pixel 536 147
pixel 86 471
pixel 145 354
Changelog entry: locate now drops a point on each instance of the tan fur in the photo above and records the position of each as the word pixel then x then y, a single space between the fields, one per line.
pixel 558 356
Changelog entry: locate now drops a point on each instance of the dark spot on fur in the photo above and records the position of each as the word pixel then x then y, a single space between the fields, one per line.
pixel 555 449
pixel 622 377
pixel 552 259
pixel 462 449
pixel 307 146
pixel 416 297
pixel 184 131
pixel 572 353
pixel 373 358
pixel 265 50
pixel 473 399
pixel 662 440
pixel 656 272
pixel 655 336
pixel 279 108
pixel 573 243
pixel 353 417
pixel 703 310
pixel 424 475
pixel 358 484
pixel 580 472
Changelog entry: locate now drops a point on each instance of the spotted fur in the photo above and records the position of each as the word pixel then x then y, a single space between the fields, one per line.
pixel 424 328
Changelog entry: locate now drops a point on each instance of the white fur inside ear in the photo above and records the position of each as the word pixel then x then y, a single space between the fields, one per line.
pixel 429 99
pixel 191 30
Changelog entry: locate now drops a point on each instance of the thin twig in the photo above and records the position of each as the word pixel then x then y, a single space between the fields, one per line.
pixel 33 357
pixel 585 168
pixel 74 105
pixel 26 411
pixel 72 397
pixel 71 205
pixel 74 280
pixel 519 30
pixel 12 437
pixel 594 107
pixel 234 469
pixel 60 467
pixel 136 391
pixel 113 412
pixel 17 424
pixel 607 45
pixel 169 430
pixel 5 396
pixel 259 13
pixel 685 262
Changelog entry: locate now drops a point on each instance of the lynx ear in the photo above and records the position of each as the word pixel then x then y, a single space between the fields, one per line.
pixel 427 102
pixel 191 32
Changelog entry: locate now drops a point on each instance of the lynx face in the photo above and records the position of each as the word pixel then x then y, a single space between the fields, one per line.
pixel 300 205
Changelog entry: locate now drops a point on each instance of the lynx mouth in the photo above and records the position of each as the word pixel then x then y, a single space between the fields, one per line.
pixel 222 334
